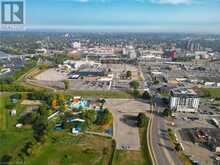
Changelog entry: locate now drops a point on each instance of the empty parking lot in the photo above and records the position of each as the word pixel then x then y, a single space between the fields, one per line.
pixel 125 130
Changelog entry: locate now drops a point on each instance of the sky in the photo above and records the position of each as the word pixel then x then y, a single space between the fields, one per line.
pixel 125 15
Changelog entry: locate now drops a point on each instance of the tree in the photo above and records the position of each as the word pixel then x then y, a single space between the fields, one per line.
pixel 66 84
pixel 39 129
pixel 102 101
pixel 128 74
pixel 136 93
pixel 5 159
pixel 167 112
pixel 63 107
pixel 156 82
pixel 103 117
pixel 134 85
pixel 142 120
pixel 40 124
pixel 89 116
pixel 61 97
pixel 178 147
pixel 146 95
pixel 54 104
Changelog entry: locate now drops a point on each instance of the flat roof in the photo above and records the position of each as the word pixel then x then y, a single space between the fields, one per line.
pixel 182 91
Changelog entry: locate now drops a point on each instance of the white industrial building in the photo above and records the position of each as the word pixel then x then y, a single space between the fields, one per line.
pixel 184 100
pixel 80 63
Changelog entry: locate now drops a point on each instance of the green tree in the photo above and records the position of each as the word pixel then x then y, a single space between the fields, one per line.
pixel 128 74
pixel 5 159
pixel 167 112
pixel 142 120
pixel 134 85
pixel 178 147
pixel 89 116
pixel 102 101
pixel 66 84
pixel 146 95
pixel 40 125
pixel 103 117
pixel 136 93
pixel 156 82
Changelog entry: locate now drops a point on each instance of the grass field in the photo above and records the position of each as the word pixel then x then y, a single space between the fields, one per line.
pixel 7 122
pixel 67 149
pixel 128 158
pixel 3 118
pixel 144 145
pixel 210 92
pixel 12 141
pixel 102 94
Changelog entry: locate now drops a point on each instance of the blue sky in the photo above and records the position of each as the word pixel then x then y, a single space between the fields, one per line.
pixel 125 15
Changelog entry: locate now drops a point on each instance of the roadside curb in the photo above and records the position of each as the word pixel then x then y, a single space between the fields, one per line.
pixel 149 142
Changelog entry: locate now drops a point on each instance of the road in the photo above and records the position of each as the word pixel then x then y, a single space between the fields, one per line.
pixel 162 147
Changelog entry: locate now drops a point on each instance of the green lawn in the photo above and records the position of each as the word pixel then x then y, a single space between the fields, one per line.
pixel 128 158
pixel 2 112
pixel 210 92
pixel 144 146
pixel 12 141
pixel 102 94
pixel 7 122
pixel 67 149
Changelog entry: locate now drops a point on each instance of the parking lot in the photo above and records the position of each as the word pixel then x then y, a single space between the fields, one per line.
pixel 188 121
pixel 119 70
pixel 51 75
pixel 53 78
pixel 125 130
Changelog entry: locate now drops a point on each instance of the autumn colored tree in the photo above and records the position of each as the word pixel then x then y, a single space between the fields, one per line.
pixel 54 104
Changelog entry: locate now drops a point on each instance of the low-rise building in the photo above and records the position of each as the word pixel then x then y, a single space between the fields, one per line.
pixel 184 100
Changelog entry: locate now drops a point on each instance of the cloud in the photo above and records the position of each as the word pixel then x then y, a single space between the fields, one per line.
pixel 169 2
pixel 173 2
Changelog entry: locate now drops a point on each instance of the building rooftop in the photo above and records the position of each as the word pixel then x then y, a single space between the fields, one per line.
pixel 184 92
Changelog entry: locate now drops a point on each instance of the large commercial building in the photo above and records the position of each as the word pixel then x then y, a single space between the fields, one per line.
pixel 184 100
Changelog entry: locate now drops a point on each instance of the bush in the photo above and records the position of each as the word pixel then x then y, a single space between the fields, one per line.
pixel 142 120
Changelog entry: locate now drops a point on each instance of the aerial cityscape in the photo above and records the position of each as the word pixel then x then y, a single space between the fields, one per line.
pixel 117 87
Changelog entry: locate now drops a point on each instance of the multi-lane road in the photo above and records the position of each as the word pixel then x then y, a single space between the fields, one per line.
pixel 162 148
pixel 160 144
